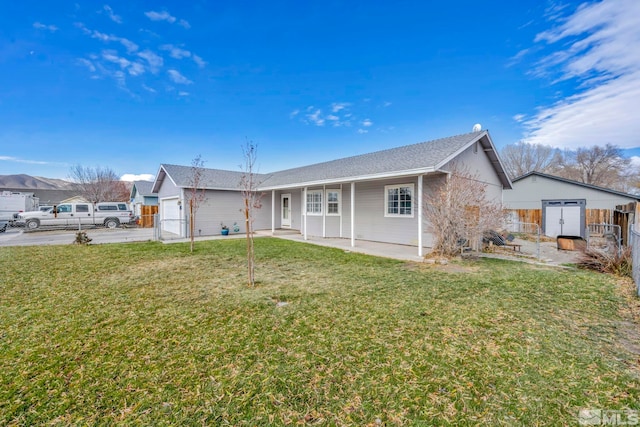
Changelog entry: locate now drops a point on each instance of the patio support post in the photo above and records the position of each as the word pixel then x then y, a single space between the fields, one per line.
pixel 324 211
pixel 353 214
pixel 420 219
pixel 304 212
pixel 273 212
pixel 341 211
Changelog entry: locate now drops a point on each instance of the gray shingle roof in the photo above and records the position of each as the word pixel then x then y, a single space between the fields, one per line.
pixel 421 156
pixel 144 188
pixel 581 184
pixel 213 179
pixel 416 158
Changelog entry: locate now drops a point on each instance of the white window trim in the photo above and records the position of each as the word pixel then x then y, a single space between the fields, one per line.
pixel 326 194
pixel 386 200
pixel 306 203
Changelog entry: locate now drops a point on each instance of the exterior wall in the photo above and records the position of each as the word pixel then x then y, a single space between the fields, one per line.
pixel 150 201
pixel 529 192
pixel 167 189
pixel 370 221
pixel 477 163
pixel 226 207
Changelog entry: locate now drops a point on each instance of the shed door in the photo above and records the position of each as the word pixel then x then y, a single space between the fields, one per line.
pixel 563 217
pixel 170 215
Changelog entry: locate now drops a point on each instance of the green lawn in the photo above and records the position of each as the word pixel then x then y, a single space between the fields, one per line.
pixel 149 334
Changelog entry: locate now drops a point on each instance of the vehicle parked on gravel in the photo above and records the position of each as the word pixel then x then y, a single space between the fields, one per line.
pixel 108 214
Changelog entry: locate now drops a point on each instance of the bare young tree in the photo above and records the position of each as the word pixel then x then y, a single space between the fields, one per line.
pixel 522 158
pixel 99 184
pixel 251 201
pixel 459 210
pixel 195 194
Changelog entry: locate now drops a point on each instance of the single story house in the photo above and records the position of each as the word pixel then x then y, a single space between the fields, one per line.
pixel 142 195
pixel 562 206
pixel 377 196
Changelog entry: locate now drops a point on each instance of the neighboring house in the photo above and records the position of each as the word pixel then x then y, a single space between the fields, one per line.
pixel 561 206
pixel 142 195
pixel 376 196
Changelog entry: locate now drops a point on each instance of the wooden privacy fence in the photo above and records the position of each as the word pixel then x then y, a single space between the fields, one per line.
pixel 146 216
pixel 622 215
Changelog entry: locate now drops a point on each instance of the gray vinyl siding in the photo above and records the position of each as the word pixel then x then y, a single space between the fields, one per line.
pixel 529 192
pixel 371 223
pixel 476 161
pixel 167 189
pixel 227 207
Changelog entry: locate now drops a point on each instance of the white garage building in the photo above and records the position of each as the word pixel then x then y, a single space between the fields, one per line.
pixel 562 206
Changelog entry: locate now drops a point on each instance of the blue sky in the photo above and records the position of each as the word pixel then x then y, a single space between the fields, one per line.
pixel 130 85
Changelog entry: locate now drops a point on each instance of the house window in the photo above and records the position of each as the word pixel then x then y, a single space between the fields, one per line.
pixel 333 202
pixel 398 200
pixel 314 202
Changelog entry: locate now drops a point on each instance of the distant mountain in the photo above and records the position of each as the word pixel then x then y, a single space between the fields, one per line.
pixel 34 182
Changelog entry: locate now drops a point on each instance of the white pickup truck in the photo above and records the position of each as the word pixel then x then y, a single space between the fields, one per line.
pixel 109 214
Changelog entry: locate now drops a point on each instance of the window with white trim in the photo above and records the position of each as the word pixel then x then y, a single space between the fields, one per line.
pixel 333 202
pixel 398 200
pixel 314 202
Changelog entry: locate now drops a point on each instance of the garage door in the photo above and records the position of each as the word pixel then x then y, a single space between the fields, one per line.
pixel 564 217
pixel 170 215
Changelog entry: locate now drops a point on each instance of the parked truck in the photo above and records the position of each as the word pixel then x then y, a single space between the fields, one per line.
pixel 13 202
pixel 108 214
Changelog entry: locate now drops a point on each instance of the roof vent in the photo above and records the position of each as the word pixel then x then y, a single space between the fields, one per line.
pixel 477 127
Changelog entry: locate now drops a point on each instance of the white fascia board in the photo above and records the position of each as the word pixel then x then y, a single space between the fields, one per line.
pixel 372 177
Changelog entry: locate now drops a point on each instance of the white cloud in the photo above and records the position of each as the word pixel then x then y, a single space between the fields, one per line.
pixel 594 51
pixel 18 160
pixel 155 61
pixel 199 61
pixel 519 117
pixel 160 16
pixel 115 18
pixel 178 78
pixel 87 64
pixel 184 24
pixel 175 52
pixel 130 177
pixel 148 89
pixel 294 113
pixel 366 123
pixel 136 69
pixel 40 26
pixel 338 106
pixel 128 44
pixel 112 56
pixel 183 93
pixel 316 118
pixel 362 131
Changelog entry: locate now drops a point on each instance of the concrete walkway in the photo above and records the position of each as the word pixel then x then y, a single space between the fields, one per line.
pixel 548 254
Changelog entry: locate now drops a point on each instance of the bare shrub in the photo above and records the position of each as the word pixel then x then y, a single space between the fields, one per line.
pixel 460 211
pixel 614 262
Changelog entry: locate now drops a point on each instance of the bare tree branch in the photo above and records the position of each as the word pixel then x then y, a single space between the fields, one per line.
pixel 459 210
pixel 99 184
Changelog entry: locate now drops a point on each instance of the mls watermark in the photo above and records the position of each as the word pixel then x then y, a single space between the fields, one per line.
pixel 608 417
